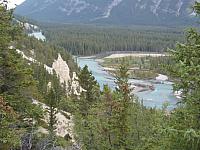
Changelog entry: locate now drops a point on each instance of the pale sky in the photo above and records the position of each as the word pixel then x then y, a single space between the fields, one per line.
pixel 11 3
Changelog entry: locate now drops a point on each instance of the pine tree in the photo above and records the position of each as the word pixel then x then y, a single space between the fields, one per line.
pixel 184 126
pixel 16 85
pixel 91 90
pixel 124 91
pixel 196 7
pixel 52 111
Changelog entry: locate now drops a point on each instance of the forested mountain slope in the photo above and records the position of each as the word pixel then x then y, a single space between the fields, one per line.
pixel 149 12
pixel 107 119
pixel 90 39
pixel 30 88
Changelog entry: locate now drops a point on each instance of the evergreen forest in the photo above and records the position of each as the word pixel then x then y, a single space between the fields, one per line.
pixel 31 98
pixel 90 40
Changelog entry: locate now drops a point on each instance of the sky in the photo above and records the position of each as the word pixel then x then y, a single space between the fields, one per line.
pixel 11 3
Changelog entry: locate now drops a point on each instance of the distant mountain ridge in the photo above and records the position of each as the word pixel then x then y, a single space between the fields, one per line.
pixel 149 12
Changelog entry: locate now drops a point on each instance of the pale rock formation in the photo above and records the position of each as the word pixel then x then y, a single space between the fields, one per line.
pixel 62 70
pixel 76 88
pixel 42 130
pixel 64 124
pixel 48 69
pixel 32 52
pixel 49 85
pixel 25 57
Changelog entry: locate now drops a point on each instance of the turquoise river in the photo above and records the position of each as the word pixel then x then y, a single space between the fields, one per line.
pixel 163 91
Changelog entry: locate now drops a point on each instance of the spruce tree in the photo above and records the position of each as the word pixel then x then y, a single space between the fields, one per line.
pixel 52 111
pixel 91 90
pixel 184 125
pixel 16 84
pixel 124 91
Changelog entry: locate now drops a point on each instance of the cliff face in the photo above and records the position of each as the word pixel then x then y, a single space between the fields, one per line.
pixel 63 72
pixel 62 69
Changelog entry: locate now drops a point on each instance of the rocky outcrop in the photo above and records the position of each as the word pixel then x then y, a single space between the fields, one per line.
pixel 64 125
pixel 24 56
pixel 48 69
pixel 75 87
pixel 62 70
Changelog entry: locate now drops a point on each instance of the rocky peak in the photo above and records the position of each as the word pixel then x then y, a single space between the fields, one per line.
pixel 62 69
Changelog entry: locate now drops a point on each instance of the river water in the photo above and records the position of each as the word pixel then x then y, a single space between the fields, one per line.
pixel 162 93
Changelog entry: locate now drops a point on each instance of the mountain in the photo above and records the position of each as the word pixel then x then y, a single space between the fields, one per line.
pixel 150 12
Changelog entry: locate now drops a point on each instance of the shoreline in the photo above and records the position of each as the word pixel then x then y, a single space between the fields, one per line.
pixel 86 57
pixel 137 87
pixel 135 55
pixel 120 54
pixel 163 90
pixel 159 79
